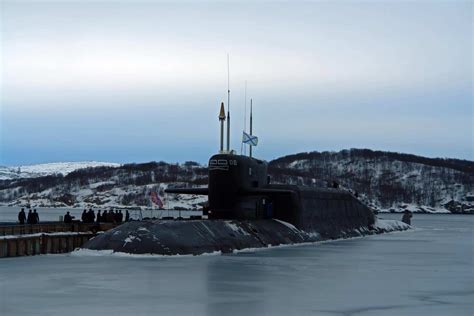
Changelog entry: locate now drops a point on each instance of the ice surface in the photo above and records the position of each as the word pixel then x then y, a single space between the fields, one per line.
pixel 426 271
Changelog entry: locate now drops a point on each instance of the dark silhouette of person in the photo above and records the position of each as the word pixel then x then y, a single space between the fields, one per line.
pixel 111 216
pixel 104 216
pixel 29 219
pixel 91 216
pixel 120 216
pixel 407 215
pixel 127 216
pixel 36 218
pixel 99 217
pixel 68 218
pixel 335 185
pixel 22 216
pixel 84 216
pixel 117 216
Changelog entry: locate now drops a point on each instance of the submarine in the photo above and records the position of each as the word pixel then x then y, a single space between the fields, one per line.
pixel 246 210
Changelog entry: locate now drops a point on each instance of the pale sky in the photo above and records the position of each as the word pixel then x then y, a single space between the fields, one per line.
pixel 128 81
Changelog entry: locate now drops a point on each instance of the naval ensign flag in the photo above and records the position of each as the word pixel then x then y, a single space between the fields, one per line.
pixel 249 139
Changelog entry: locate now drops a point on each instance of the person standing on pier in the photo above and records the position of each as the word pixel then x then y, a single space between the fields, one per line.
pixel 68 218
pixel 36 218
pixel 91 216
pixel 111 216
pixel 22 216
pixel 32 217
pixel 29 219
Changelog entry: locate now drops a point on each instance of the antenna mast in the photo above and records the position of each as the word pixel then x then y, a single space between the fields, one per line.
pixel 250 146
pixel 242 147
pixel 228 105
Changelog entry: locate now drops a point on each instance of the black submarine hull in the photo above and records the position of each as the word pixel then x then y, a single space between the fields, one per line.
pixel 294 215
pixel 195 237
pixel 246 210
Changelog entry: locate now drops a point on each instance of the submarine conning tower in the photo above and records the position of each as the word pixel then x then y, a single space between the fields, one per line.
pixel 231 178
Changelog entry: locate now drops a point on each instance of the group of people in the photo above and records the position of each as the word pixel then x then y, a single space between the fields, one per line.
pixel 87 217
pixel 106 217
pixel 31 218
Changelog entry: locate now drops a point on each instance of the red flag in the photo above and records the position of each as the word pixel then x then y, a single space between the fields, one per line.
pixel 156 199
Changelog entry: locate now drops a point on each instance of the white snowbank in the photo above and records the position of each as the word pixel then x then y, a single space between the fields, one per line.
pixel 41 234
pixel 391 225
pixel 414 208
pixel 110 253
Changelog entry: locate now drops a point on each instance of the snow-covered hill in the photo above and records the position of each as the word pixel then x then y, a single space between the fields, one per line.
pixel 385 181
pixel 107 185
pixel 46 169
pixel 390 182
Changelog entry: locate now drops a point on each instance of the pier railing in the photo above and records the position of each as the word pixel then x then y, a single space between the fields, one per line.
pixel 30 245
pixel 48 238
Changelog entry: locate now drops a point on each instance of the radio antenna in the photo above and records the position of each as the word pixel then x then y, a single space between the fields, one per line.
pixel 242 147
pixel 228 105
pixel 250 146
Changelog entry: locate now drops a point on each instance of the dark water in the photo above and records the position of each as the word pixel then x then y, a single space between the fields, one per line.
pixel 428 271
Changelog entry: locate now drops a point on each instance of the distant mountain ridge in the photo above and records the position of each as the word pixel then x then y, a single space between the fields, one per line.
pixel 386 181
pixel 47 169
pixel 451 163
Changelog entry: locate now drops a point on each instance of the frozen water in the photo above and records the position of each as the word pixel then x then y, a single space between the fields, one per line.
pixel 426 271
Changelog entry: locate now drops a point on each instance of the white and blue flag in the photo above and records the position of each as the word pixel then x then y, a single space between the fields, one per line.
pixel 249 139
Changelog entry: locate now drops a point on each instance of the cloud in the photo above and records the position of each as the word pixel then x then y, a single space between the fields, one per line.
pixel 103 76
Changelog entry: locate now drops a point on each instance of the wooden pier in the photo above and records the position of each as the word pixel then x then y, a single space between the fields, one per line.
pixel 49 238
